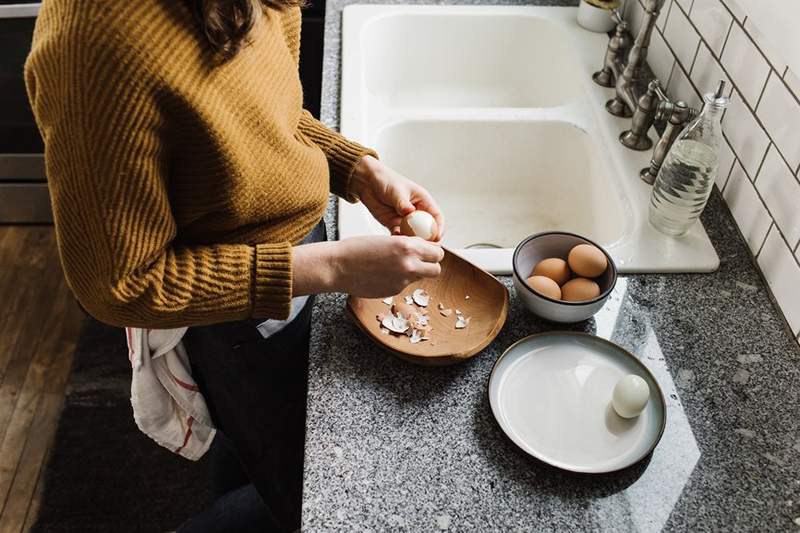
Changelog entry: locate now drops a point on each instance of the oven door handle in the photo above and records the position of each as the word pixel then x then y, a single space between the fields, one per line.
pixel 11 11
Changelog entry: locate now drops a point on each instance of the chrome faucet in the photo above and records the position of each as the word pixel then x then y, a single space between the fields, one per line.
pixel 638 93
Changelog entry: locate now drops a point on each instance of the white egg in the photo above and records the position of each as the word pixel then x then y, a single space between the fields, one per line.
pixel 420 224
pixel 631 394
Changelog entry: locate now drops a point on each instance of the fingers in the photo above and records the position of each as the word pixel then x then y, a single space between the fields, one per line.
pixel 429 252
pixel 428 270
pixel 425 202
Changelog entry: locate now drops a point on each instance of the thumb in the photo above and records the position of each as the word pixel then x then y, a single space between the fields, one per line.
pixel 404 206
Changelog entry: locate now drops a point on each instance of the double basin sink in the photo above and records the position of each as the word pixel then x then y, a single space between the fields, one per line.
pixel 493 110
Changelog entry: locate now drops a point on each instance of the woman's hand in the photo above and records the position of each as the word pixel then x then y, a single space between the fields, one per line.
pixel 369 267
pixel 390 196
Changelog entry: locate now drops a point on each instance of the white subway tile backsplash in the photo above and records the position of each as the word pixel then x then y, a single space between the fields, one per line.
pixel 664 15
pixel 747 139
pixel 783 276
pixel 779 111
pixel 682 37
pixel 748 210
pixel 746 66
pixel 759 160
pixel 680 88
pixel 735 9
pixel 707 72
pixel 713 22
pixel 781 192
pixel 660 58
pixel 764 43
pixel 793 81
pixel 726 160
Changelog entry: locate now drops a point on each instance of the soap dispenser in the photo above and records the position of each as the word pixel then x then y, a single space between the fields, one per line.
pixel 684 183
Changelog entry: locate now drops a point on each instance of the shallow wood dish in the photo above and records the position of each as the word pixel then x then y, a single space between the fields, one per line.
pixel 487 308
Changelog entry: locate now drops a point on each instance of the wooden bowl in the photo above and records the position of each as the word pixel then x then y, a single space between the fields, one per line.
pixel 487 307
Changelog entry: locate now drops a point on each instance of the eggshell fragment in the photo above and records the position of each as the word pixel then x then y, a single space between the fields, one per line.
pixel 587 261
pixel 545 286
pixel 579 290
pixel 553 268
pixel 419 224
pixel 421 297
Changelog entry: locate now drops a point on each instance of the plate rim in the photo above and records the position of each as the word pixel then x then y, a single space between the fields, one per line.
pixel 603 341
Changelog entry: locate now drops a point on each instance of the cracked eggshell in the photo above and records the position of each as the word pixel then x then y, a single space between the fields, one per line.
pixel 419 224
pixel 421 297
pixel 394 323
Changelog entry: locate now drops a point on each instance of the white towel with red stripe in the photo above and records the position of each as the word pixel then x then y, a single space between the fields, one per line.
pixel 167 405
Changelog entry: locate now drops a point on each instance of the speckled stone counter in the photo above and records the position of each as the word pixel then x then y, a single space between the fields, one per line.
pixel 391 446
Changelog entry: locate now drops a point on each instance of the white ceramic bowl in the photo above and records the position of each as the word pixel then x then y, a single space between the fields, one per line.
pixel 595 18
pixel 557 244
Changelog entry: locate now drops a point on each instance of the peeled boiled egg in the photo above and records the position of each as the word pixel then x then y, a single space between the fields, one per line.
pixel 553 268
pixel 579 290
pixel 630 396
pixel 545 286
pixel 587 260
pixel 419 224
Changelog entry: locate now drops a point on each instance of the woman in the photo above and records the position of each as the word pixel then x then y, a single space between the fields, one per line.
pixel 188 186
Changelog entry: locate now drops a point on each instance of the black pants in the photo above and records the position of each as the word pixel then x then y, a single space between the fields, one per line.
pixel 256 393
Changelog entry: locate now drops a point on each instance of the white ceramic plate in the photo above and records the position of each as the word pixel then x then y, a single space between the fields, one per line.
pixel 551 394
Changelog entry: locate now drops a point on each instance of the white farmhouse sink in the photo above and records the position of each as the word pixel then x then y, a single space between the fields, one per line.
pixel 492 108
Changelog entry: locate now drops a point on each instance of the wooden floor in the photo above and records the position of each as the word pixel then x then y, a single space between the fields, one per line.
pixel 39 325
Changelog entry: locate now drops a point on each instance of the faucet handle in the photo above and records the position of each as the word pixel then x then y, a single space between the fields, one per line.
pixel 617 16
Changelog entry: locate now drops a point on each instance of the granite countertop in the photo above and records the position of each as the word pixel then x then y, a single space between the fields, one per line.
pixel 391 446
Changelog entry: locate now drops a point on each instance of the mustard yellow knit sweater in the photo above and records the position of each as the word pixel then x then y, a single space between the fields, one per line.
pixel 178 184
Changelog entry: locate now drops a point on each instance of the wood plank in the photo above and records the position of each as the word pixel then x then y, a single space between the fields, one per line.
pixel 28 340
pixel 28 283
pixel 18 427
pixel 36 501
pixel 38 332
pixel 31 462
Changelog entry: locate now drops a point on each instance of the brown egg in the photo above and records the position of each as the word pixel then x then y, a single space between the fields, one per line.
pixel 587 261
pixel 545 286
pixel 553 268
pixel 579 290
pixel 404 309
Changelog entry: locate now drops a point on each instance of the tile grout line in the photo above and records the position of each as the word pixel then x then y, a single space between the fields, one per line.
pixel 766 236
pixel 763 90
pixel 763 203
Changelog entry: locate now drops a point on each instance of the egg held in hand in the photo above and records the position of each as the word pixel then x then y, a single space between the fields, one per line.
pixel 630 396
pixel 553 268
pixel 420 224
pixel 587 261
pixel 580 290
pixel 545 286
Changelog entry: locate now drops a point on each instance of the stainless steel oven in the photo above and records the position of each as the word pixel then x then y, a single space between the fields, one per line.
pixel 23 186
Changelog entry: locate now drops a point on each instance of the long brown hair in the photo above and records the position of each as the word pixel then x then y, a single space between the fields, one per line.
pixel 227 23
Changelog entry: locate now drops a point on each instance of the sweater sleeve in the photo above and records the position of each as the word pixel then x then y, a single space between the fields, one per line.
pixel 342 154
pixel 106 156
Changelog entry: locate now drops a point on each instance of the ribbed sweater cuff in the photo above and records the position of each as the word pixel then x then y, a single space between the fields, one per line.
pixel 343 155
pixel 272 284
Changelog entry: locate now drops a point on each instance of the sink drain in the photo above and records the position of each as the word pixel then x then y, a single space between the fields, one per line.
pixel 482 246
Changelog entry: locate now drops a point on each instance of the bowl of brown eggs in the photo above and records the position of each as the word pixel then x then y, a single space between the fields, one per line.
pixel 563 277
